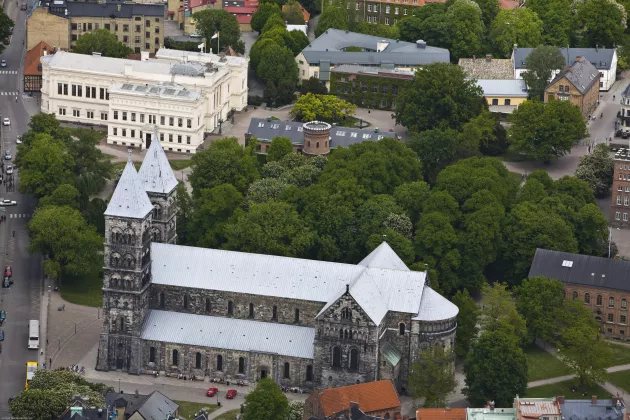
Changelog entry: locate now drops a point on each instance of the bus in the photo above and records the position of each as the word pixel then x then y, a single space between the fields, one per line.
pixel 31 368
pixel 33 334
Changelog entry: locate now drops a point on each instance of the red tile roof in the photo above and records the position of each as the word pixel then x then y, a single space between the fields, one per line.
pixel 441 414
pixel 371 396
pixel 509 4
pixel 31 61
pixel 240 10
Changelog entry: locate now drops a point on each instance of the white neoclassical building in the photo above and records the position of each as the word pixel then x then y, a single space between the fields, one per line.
pixel 136 109
pixel 77 88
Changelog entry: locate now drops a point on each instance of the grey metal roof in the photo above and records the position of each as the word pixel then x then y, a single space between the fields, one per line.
pixel 165 90
pixel 229 333
pixel 266 129
pixel 374 71
pixel 377 290
pixel 131 402
pixel 129 198
pixel 157 407
pixel 601 58
pixel 119 10
pixel 582 74
pixel 383 256
pixel 435 307
pixel 156 173
pixel 500 87
pixel 586 410
pixel 330 46
pixel 583 270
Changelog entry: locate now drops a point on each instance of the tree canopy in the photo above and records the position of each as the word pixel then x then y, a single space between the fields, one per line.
pixel 266 402
pixel 520 26
pixel 328 108
pixel 540 64
pixel 596 168
pixel 210 21
pixel 432 377
pixel 102 41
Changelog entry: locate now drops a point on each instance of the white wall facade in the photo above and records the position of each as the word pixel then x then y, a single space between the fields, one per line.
pixel 132 118
pixel 607 79
pixel 76 89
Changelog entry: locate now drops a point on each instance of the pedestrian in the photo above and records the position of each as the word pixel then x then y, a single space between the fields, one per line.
pixel 44 365
pixel 46 341
pixel 50 362
pixel 63 307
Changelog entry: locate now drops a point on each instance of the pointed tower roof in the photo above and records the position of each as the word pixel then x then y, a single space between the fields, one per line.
pixel 129 198
pixel 156 173
pixel 384 256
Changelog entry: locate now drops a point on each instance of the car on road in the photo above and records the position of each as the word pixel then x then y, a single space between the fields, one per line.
pixel 211 392
pixel 6 283
pixel 3 316
pixel 197 36
pixel 231 394
pixel 8 271
pixel 18 139
pixel 9 169
pixel 1 335
pixel 7 155
pixel 6 121
pixel 3 63
pixel 5 202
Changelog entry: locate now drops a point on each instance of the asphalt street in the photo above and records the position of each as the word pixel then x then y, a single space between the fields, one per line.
pixel 22 300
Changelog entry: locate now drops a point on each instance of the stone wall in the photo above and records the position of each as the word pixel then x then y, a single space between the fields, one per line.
pixel 204 361
pixel 218 301
pixel 163 226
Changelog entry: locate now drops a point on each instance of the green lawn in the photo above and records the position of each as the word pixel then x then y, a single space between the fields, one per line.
pixel 621 379
pixel 542 365
pixel 620 355
pixel 228 415
pixel 179 164
pixel 564 389
pixel 83 290
pixel 188 409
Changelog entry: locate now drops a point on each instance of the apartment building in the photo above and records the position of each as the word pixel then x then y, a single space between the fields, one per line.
pixel 61 23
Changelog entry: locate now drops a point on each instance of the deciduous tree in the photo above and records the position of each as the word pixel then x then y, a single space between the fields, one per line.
pixel 540 300
pixel 520 26
pixel 263 13
pixel 63 195
pixel 499 313
pixel 332 17
pixel 329 108
pixel 439 97
pixel 211 211
pixel 292 13
pixel 277 63
pixel 467 317
pixel 466 30
pixel 101 41
pixel 596 168
pixel 489 10
pixel 210 21
pixel 540 64
pixel 556 18
pixel 280 147
pixel 266 402
pixel 46 166
pixel 601 23
pixel 432 376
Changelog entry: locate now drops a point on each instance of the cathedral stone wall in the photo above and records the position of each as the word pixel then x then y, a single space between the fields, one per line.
pixel 174 300
pixel 204 362
pixel 164 223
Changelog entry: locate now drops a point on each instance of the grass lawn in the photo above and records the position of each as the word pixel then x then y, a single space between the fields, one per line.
pixel 621 379
pixel 564 389
pixel 188 409
pixel 351 121
pixel 121 165
pixel 542 365
pixel 229 415
pixel 82 290
pixel 179 164
pixel 620 355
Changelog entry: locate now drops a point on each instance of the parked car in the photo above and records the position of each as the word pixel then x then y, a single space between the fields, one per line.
pixel 7 155
pixel 1 335
pixel 3 316
pixel 212 392
pixel 6 283
pixel 8 272
pixel 625 134
pixel 4 202
pixel 231 394
pixel 6 121
pixel 18 139
pixel 3 63
pixel 9 169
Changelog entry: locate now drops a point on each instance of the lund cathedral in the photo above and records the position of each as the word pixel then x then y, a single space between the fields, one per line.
pixel 223 314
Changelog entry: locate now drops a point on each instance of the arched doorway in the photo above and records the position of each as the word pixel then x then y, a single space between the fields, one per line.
pixel 148 140
pixel 263 372
pixel 119 362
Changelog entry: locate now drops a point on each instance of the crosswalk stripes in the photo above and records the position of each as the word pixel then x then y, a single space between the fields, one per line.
pixel 9 93
pixel 20 216
pixel 8 71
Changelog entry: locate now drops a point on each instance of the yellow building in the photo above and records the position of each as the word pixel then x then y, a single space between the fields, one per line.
pixel 503 96
pixel 139 26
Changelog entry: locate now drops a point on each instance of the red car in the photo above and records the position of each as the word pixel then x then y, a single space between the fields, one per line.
pixel 231 394
pixel 7 271
pixel 212 392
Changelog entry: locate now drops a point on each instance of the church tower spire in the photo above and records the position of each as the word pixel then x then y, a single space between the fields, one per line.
pixel 160 184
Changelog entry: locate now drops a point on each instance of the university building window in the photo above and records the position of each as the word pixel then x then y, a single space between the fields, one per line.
pixel 611 302
pixel 575 295
pixel 587 298
pixel 599 300
pixel 610 318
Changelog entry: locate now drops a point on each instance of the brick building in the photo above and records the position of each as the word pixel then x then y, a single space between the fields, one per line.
pixel 602 284
pixel 234 315
pixel 577 83
pixel 620 201
pixel 377 398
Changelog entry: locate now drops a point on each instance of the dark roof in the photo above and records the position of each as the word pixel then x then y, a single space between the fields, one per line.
pixel 131 402
pixel 584 270
pixel 266 129
pixel 626 92
pixel 157 407
pixel 601 58
pixel 582 74
pixel 586 410
pixel 127 10
pixel 80 413
pixel 329 47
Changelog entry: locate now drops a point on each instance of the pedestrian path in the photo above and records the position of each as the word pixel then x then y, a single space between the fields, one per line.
pixel 9 93
pixel 8 72
pixel 20 215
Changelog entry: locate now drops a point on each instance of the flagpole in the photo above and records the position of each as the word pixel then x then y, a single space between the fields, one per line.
pixel 218 38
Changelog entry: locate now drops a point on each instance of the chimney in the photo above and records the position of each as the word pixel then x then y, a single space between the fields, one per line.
pixel 144 56
pixel 354 404
pixel 594 399
pixel 560 399
pixel 488 57
pixel 421 44
pixel 570 68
